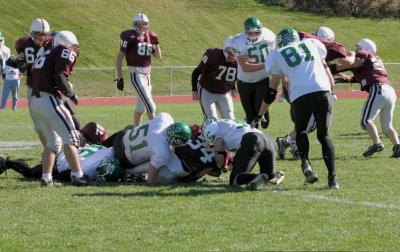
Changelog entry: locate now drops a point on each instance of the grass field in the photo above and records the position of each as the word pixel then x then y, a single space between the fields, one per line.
pixel 363 215
pixel 186 29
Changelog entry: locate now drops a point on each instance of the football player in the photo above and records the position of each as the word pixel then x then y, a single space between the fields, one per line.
pixel 195 159
pixel 309 84
pixel 214 89
pixel 370 72
pixel 138 45
pixel 252 47
pixel 251 145
pixel 49 74
pixel 97 162
pixel 335 53
pixel 153 141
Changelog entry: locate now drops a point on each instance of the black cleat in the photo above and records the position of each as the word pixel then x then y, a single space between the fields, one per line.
pixel 252 185
pixel 264 123
pixel 309 174
pixel 372 149
pixel 333 182
pixel 282 146
pixel 82 181
pixel 396 151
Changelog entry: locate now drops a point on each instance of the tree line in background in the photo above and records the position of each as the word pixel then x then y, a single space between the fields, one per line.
pixel 353 8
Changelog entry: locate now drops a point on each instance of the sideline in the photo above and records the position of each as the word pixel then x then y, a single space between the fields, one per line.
pixel 123 100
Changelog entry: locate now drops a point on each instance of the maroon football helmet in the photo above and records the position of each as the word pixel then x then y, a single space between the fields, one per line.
pixel 94 133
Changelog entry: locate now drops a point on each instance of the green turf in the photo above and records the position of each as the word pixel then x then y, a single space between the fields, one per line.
pixel 186 29
pixel 362 215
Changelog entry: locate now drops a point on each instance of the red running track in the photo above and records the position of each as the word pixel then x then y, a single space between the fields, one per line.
pixel 177 99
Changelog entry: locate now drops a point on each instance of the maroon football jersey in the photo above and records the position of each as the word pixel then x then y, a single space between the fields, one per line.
pixel 217 75
pixel 195 156
pixel 371 72
pixel 138 48
pixel 27 46
pixel 53 61
pixel 334 49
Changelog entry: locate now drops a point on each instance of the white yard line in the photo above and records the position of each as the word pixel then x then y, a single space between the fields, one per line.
pixel 311 196
pixel 16 145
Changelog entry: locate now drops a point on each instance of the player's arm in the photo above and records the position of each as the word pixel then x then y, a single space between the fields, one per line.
pixel 118 64
pixel 63 85
pixel 199 70
pixel 270 95
pixel 219 148
pixel 157 51
pixel 328 73
pixel 247 66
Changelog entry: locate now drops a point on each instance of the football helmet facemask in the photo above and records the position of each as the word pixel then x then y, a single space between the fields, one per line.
pixel 108 170
pixel 366 44
pixel 287 36
pixel 40 31
pixel 253 29
pixel 178 134
pixel 325 32
pixel 140 23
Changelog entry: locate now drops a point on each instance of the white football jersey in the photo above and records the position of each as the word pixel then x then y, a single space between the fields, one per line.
pixel 148 142
pixel 230 131
pixel 90 157
pixel 257 52
pixel 301 63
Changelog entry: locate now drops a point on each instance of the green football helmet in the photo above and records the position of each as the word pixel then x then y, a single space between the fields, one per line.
pixel 287 36
pixel 108 170
pixel 252 29
pixel 178 133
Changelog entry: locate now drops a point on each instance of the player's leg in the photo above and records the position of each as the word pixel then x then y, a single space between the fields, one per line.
pixel 23 168
pixel 323 117
pixel 267 161
pixel 386 118
pixel 141 84
pixel 302 108
pixel 244 161
pixel 225 107
pixel 370 110
pixel 207 104
pixel 60 120
pixel 246 92
pixel 259 94
pixel 36 127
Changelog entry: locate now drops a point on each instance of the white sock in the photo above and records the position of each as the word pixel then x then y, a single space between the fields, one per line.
pixel 47 177
pixel 78 174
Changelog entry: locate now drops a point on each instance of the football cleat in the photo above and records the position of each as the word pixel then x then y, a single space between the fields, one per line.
pixel 282 146
pixel 49 183
pixel 82 181
pixel 373 148
pixel 253 185
pixel 3 164
pixel 333 182
pixel 309 174
pixel 264 123
pixel 277 179
pixel 396 151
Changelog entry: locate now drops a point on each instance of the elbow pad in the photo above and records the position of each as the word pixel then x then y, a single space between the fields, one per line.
pixel 270 95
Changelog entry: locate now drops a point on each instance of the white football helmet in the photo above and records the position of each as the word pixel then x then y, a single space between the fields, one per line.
pixel 367 44
pixel 325 32
pixel 40 25
pixel 66 38
pixel 140 22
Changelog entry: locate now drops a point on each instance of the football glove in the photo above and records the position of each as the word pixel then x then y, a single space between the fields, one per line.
pixel 73 97
pixel 120 84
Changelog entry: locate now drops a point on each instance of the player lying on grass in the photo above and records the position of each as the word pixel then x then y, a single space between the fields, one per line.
pixel 97 164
